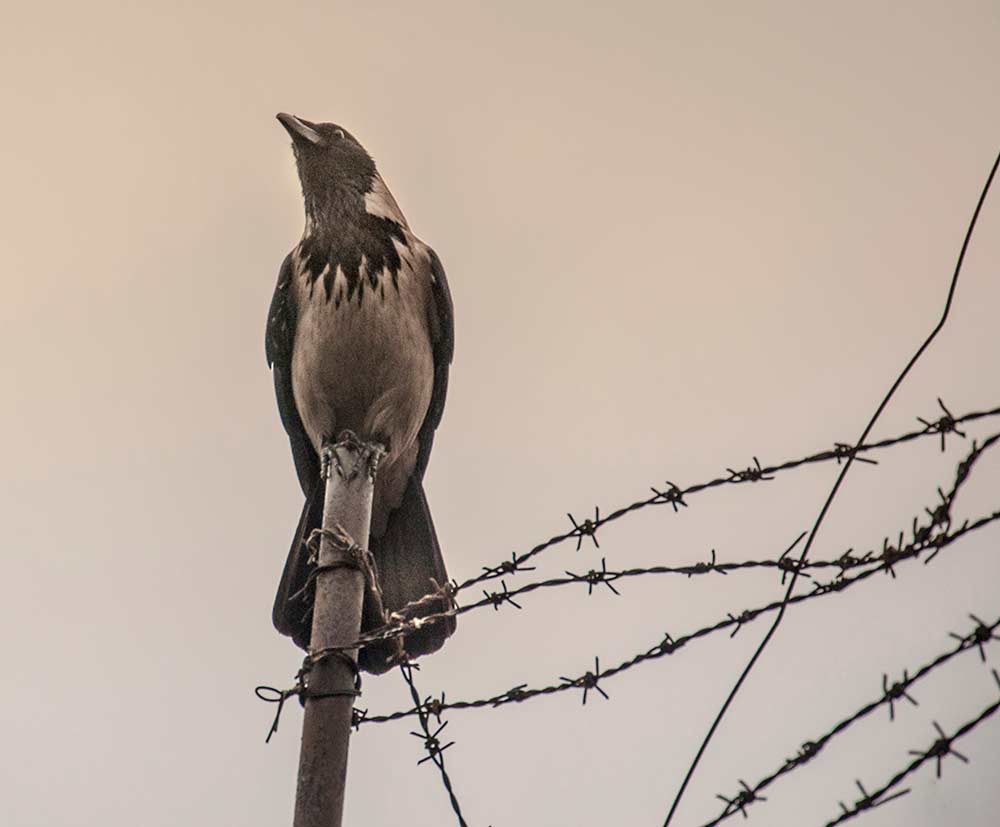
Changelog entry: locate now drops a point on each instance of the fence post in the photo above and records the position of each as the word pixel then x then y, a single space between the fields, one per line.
pixel 349 469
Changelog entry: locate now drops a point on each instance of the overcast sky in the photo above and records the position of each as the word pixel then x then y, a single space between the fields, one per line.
pixel 677 235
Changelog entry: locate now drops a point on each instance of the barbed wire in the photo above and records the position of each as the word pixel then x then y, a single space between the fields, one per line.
pixel 892 693
pixel 932 535
pixel 431 739
pixel 941 748
pixel 835 489
pixel 674 496
pixel 884 562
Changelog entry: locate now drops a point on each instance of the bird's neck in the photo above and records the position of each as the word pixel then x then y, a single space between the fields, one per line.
pixel 339 206
pixel 331 210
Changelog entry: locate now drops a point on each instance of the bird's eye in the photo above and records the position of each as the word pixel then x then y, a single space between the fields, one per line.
pixel 338 134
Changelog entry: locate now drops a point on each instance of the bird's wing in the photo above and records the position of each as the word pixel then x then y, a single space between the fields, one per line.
pixel 278 342
pixel 442 328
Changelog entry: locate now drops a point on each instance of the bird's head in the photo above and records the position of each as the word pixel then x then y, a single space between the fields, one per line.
pixel 333 167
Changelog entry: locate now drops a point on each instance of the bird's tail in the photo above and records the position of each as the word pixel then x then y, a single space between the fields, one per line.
pixel 292 612
pixel 408 562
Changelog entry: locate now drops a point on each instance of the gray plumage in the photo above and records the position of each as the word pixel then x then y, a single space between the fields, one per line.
pixel 360 337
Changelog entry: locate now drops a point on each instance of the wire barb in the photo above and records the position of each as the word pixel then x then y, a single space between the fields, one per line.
pixel 893 693
pixel 588 681
pixel 752 473
pixel 497 599
pixel 588 528
pixel 595 578
pixel 673 495
pixel 946 424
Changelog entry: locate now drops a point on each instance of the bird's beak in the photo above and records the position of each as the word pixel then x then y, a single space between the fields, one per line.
pixel 300 130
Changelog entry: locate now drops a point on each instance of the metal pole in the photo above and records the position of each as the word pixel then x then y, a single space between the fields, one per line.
pixel 349 468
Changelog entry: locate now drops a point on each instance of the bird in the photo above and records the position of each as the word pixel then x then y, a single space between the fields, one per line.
pixel 360 337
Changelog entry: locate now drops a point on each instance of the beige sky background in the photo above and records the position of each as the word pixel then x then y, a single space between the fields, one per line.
pixel 677 236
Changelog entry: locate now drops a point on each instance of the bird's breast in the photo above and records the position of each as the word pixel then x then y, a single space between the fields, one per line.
pixel 362 357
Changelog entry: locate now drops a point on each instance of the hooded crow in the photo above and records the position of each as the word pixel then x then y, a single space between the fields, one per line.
pixel 360 338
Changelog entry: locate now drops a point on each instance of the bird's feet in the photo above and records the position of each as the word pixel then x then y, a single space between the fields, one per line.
pixel 366 456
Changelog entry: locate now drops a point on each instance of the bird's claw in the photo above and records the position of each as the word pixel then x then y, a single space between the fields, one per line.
pixel 326 458
pixel 367 456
